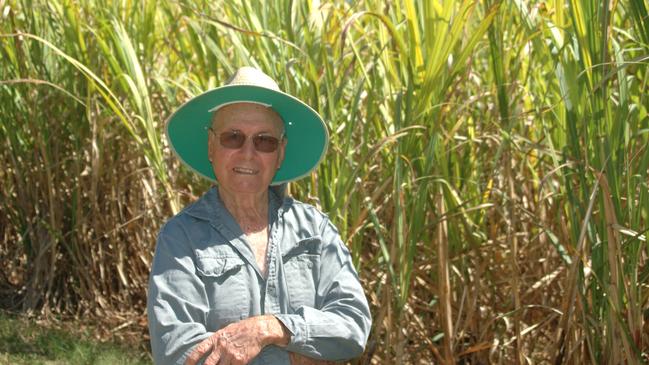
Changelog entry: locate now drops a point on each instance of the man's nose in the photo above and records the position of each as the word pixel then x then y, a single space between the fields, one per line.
pixel 248 147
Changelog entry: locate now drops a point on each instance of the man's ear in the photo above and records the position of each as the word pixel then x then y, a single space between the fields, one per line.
pixel 282 152
pixel 210 143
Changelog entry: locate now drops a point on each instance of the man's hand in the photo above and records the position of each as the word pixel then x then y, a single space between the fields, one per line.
pixel 297 359
pixel 239 343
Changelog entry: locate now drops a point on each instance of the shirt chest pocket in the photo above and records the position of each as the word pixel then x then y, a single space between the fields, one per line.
pixel 302 271
pixel 225 280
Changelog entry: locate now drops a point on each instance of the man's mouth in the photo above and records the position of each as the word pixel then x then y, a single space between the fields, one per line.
pixel 245 171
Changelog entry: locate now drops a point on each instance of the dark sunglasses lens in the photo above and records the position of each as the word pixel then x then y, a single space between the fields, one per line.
pixel 232 139
pixel 265 143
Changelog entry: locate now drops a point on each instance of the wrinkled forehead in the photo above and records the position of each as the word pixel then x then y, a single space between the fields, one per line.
pixel 243 113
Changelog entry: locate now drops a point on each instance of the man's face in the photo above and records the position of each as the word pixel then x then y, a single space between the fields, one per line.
pixel 245 170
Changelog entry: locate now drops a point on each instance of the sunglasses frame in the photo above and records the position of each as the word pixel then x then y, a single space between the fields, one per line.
pixel 255 140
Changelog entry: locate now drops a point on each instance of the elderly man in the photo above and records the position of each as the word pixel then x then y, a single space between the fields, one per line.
pixel 245 274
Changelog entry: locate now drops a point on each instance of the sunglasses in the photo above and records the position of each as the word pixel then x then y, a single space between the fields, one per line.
pixel 235 140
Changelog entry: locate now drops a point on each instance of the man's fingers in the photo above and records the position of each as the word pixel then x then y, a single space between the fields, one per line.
pixel 222 343
pixel 200 350
pixel 214 358
pixel 235 344
pixel 193 358
pixel 297 359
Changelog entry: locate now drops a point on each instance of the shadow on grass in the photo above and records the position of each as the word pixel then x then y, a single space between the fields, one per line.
pixel 23 341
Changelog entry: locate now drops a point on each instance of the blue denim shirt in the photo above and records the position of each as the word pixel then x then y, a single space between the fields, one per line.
pixel 205 276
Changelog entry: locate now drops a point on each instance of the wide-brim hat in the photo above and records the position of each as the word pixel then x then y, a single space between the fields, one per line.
pixel 307 133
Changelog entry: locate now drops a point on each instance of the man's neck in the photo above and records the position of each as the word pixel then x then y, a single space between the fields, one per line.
pixel 249 210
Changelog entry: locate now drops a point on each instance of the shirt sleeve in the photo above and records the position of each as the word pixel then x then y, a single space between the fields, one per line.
pixel 338 329
pixel 176 302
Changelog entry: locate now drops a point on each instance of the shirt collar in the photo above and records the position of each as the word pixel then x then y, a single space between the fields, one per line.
pixel 210 207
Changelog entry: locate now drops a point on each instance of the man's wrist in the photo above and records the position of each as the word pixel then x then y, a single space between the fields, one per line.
pixel 275 331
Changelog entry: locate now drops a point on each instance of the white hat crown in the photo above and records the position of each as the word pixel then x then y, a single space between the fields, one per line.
pixel 252 76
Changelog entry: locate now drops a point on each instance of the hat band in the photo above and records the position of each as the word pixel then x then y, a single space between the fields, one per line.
pixel 237 102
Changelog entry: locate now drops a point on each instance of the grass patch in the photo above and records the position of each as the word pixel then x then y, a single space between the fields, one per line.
pixel 24 341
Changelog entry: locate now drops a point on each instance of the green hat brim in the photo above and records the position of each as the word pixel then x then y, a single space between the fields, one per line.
pixel 307 134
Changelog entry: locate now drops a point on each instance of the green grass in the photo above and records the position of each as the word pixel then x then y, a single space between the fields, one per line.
pixel 23 341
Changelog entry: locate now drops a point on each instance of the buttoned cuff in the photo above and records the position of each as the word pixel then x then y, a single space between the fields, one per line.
pixel 296 325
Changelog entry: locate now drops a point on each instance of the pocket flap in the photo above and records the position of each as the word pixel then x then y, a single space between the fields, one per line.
pixel 307 246
pixel 217 266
